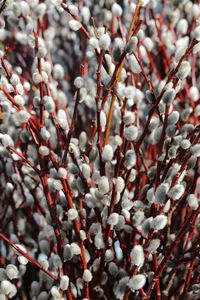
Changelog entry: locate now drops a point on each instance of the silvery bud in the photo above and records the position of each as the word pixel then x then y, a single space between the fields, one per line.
pixel 159 222
pixel 183 70
pixel 169 96
pixel 137 256
pixel 130 159
pixel 137 282
pixel 9 289
pixel 154 245
pixel 64 283
pixel 131 133
pixel 196 150
pixel 132 45
pixel 87 275
pixel 74 25
pixel 176 191
pixel 192 201
pixel 12 271
pixel 107 154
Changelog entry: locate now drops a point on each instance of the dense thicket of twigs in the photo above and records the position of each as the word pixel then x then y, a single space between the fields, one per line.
pixel 99 149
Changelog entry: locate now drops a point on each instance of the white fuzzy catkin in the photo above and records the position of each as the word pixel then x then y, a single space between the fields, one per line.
pixel 130 159
pixel 159 222
pixel 103 185
pixel 129 92
pixel 176 191
pixel 113 219
pixel 55 293
pixel 137 282
pixel 14 79
pixel 87 275
pixel 7 141
pixel 153 246
pixel 83 139
pixel 182 26
pixel 144 54
pixel 109 255
pixel 148 43
pixel 197 110
pixel 44 247
pixel 138 218
pixel 83 235
pixel 12 271
pixel 196 33
pixel 98 241
pixel 43 296
pixel 43 150
pixel 169 96
pixel 120 184
pixel 149 96
pixel 22 260
pixel 35 287
pixel 103 120
pixel 78 82
pixel 104 42
pixel 57 262
pixel 62 172
pixel 72 214
pixel 58 72
pixel 121 287
pixel 94 42
pixel 86 170
pixel 184 70
pixel 147 225
pixel 64 282
pixel 74 25
pixel 173 118
pixel 107 153
pixel 131 133
pixel 129 117
pixel 116 10
pixel 42 259
pixel 192 201
pixel 137 256
pixel 85 12
pixel 37 78
pixel 57 185
pixel 196 150
pixel 73 10
pixel 134 65
pixel 75 249
pixel 20 89
pixel 3 275
pixel 186 113
pixel 185 144
pixel 19 100
pixel 179 53
pixel 161 192
pixel 23 116
pixel 7 288
pixel 113 269
pixel 194 93
pixel 131 45
pixel 44 134
pixel 67 253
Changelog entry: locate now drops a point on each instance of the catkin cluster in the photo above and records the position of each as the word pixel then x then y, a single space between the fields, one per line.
pixel 99 149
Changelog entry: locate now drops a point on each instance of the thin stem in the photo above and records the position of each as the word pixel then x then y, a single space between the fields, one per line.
pixel 27 256
pixel 169 253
